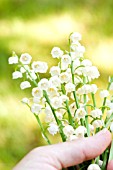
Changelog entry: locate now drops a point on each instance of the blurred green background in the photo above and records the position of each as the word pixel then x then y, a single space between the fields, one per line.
pixel 35 27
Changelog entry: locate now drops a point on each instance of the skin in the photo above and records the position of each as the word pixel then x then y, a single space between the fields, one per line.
pixel 62 155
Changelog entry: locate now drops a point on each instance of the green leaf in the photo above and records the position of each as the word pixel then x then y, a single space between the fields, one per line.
pixel 111 153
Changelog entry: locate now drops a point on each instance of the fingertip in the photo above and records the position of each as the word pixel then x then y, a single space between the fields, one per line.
pixel 110 165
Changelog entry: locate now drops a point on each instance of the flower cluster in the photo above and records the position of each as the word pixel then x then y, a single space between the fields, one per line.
pixel 67 98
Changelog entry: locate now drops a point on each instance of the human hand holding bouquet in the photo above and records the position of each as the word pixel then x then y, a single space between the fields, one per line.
pixel 67 98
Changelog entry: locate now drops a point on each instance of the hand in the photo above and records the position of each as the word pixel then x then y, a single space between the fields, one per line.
pixel 62 155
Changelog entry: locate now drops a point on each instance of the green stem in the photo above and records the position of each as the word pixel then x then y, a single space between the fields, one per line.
pixel 93 98
pixel 69 113
pixel 109 121
pixel 67 106
pixel 86 118
pixel 105 98
pixel 42 129
pixel 73 81
pixel 57 120
pixel 111 152
pixel 105 159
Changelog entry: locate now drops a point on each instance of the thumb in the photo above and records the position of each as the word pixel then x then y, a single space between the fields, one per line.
pixel 72 153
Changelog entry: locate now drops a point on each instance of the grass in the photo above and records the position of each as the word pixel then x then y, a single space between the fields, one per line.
pixel 35 27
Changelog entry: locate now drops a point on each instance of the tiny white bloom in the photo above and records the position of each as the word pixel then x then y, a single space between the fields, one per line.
pixel 25 100
pixel 55 81
pixel 56 52
pixel 80 131
pixel 37 92
pixel 43 84
pixel 100 162
pixel 16 75
pixel 80 113
pixel 36 108
pixel 76 63
pixel 64 77
pixel 36 99
pixel 53 129
pixel 94 88
pixel 68 130
pixel 104 93
pixel 69 87
pixel 93 167
pixel 64 98
pixel 97 113
pixel 65 61
pixel 25 58
pixel 52 91
pixel 91 71
pixel 86 62
pixel 56 102
pixel 25 84
pixel 39 67
pixel 109 113
pixel 111 127
pixel 97 123
pixel 91 127
pixel 74 37
pixel 85 89
pixel 49 115
pixel 71 138
pixel 55 71
pixel 13 60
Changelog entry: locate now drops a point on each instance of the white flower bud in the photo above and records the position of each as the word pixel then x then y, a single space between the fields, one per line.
pixel 96 113
pixel 93 167
pixel 55 71
pixel 25 58
pixel 64 77
pixel 94 88
pixel 69 87
pixel 86 62
pixel 24 85
pixel 97 123
pixel 74 37
pixel 36 92
pixel 56 102
pixel 104 93
pixel 53 129
pixel 43 84
pixel 56 52
pixel 25 100
pixel 80 131
pixel 36 108
pixel 16 75
pixel 39 67
pixel 55 81
pixel 80 113
pixel 68 130
pixel 13 60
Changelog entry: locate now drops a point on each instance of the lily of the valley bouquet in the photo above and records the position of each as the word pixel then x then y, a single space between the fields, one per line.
pixel 67 97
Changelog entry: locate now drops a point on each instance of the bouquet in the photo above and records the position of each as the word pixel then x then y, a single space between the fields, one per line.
pixel 67 98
